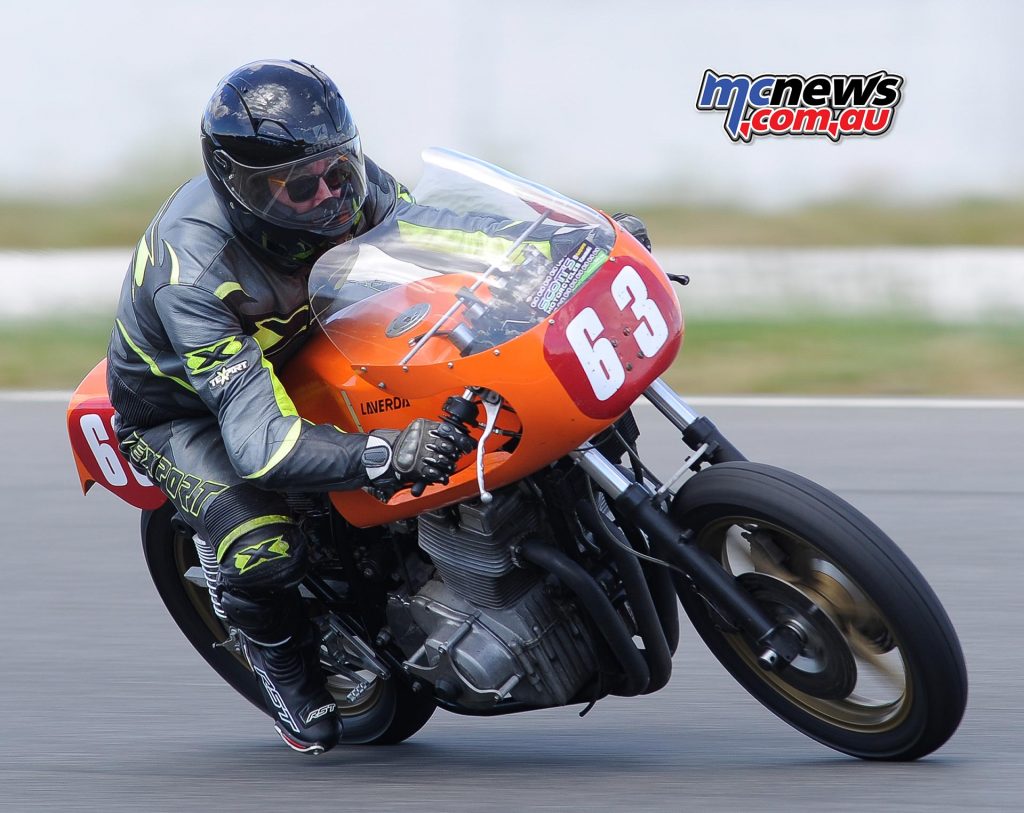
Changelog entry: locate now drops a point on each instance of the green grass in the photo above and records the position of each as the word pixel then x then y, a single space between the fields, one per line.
pixel 119 220
pixel 35 225
pixel 840 223
pixel 794 355
pixel 50 354
pixel 114 214
pixel 862 356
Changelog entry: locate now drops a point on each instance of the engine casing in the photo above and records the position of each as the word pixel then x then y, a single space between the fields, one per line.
pixel 485 630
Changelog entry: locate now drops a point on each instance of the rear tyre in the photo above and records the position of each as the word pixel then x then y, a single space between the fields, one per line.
pixel 881 674
pixel 388 713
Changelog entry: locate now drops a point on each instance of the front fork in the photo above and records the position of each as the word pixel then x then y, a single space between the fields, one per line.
pixel 776 645
pixel 697 430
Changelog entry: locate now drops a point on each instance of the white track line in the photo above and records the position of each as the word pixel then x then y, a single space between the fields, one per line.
pixel 34 396
pixel 758 401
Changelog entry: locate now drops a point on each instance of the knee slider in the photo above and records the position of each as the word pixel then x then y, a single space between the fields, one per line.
pixel 265 560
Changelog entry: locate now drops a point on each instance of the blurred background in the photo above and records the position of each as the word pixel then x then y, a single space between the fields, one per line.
pixel 889 265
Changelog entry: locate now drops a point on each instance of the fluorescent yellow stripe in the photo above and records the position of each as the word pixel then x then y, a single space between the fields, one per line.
pixel 142 258
pixel 226 288
pixel 152 364
pixel 284 401
pixel 174 264
pixel 266 337
pixel 452 241
pixel 250 525
pixel 282 451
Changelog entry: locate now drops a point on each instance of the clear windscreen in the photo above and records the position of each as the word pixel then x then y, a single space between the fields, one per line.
pixel 477 257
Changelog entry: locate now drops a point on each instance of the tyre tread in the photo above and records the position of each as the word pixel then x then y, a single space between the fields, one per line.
pixel 773 491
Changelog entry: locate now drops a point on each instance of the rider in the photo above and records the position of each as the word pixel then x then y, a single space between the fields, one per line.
pixel 214 301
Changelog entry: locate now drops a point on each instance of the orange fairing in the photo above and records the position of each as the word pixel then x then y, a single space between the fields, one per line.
pixel 486 282
pixel 95 449
pixel 556 378
pixel 92 388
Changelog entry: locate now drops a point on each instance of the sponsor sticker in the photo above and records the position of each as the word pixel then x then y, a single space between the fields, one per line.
pixel 566 276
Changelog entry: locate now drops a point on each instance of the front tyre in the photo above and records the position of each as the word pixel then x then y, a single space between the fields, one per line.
pixel 881 674
pixel 386 714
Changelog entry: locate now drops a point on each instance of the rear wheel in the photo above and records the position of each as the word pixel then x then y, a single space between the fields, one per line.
pixel 881 674
pixel 384 713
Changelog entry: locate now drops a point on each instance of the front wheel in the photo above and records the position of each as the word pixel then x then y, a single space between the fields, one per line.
pixel 881 674
pixel 386 713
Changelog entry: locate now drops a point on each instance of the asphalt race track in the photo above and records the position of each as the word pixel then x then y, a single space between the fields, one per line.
pixel 104 706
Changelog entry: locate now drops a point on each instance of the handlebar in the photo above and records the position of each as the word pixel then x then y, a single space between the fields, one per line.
pixel 459 412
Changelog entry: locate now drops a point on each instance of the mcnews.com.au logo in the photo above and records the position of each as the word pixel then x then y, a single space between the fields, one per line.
pixel 832 106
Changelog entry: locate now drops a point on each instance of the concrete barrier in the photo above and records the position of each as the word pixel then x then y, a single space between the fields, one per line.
pixel 61 283
pixel 950 284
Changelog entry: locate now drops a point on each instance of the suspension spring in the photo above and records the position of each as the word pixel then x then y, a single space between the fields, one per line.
pixel 208 559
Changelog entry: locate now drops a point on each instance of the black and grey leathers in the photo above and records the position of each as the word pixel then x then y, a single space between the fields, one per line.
pixel 204 318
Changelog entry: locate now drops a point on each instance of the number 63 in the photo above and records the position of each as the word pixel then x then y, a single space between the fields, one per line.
pixel 596 353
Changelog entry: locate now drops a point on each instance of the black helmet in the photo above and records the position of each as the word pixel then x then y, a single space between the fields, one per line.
pixel 283 156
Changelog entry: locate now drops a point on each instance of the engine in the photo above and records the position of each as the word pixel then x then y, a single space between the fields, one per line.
pixel 484 630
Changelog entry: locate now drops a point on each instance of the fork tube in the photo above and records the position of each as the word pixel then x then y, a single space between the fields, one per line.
pixel 696 429
pixel 671 405
pixel 602 471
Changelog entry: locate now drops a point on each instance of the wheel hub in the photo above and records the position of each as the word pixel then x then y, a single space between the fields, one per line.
pixel 825 666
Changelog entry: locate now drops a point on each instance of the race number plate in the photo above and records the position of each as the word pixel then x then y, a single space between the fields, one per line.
pixel 95 445
pixel 614 337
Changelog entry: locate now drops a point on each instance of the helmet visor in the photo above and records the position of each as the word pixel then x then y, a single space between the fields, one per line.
pixel 320 193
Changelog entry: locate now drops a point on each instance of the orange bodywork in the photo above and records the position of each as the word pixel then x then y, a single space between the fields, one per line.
pixel 90 396
pixel 94 446
pixel 356 384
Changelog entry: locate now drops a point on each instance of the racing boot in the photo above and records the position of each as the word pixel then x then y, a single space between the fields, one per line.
pixel 283 648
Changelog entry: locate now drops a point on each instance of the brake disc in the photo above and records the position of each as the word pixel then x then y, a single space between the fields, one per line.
pixel 825 667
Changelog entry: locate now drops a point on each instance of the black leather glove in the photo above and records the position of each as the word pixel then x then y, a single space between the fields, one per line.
pixel 635 226
pixel 425 451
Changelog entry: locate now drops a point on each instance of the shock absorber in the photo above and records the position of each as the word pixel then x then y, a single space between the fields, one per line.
pixel 208 560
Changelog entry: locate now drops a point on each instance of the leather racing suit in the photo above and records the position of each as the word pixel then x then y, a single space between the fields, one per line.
pixel 204 319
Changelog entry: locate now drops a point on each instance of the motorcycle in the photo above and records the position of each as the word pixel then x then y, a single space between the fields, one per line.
pixel 527 581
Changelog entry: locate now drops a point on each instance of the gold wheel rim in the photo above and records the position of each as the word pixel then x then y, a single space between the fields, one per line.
pixel 881 698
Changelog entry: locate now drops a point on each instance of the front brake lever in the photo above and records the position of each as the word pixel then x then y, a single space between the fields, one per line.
pixel 492 408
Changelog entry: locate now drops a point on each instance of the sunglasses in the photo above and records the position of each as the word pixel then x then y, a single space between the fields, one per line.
pixel 304 187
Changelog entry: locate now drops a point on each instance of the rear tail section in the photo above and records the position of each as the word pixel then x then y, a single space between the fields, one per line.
pixel 94 445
